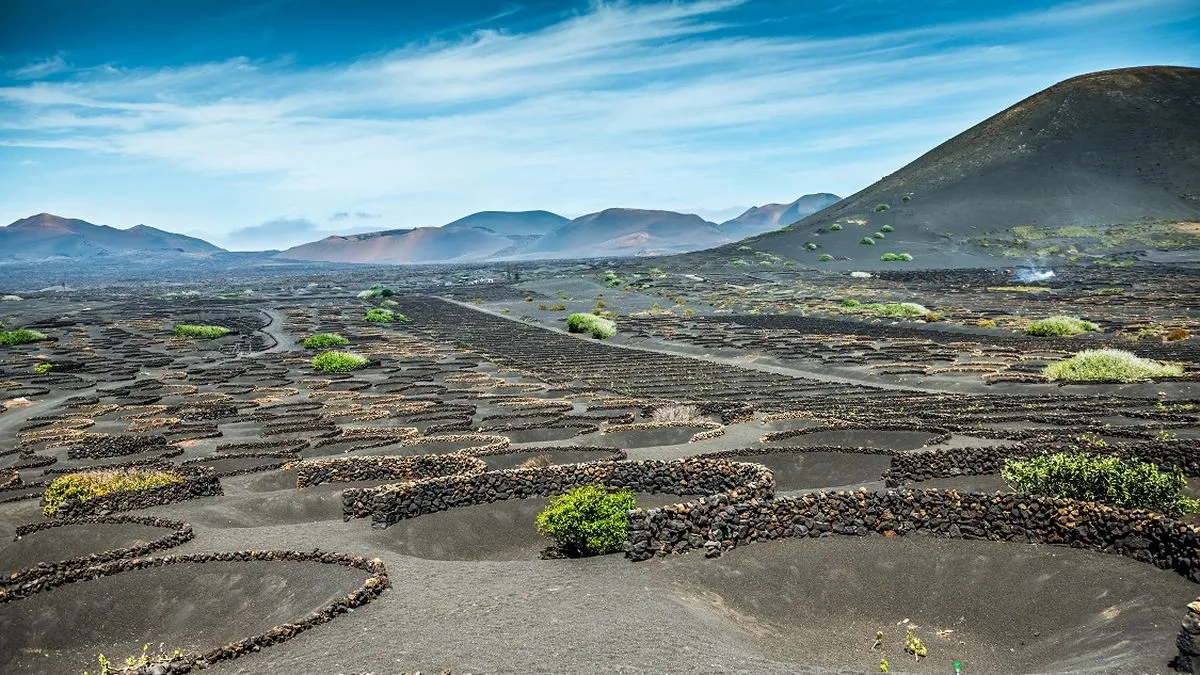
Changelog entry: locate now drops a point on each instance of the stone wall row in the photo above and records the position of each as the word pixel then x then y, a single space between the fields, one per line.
pixel 388 504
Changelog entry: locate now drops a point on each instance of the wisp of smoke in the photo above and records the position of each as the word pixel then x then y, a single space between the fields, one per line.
pixel 1031 274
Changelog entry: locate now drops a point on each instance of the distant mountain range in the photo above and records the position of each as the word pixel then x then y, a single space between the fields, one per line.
pixel 486 235
pixel 49 236
pixel 1107 161
pixel 527 235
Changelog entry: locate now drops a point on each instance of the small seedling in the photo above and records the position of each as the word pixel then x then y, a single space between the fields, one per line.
pixel 913 645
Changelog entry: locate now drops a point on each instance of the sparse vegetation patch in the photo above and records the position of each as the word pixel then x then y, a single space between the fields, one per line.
pixel 91 484
pixel 379 315
pixel 1058 326
pixel 1109 365
pixel 200 332
pixel 338 362
pixel 325 341
pixel 1102 478
pixel 20 336
pixel 599 327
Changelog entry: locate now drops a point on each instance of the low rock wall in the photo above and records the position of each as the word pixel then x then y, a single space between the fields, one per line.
pixel 918 466
pixel 390 467
pixel 720 523
pixel 389 504
pixel 196 483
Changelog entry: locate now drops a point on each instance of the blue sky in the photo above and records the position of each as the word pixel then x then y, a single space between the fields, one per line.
pixel 265 123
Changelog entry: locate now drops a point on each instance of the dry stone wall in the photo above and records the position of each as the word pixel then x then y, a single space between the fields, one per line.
pixel 391 503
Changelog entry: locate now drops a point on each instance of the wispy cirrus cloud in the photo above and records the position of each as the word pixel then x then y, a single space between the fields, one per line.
pixel 42 68
pixel 664 105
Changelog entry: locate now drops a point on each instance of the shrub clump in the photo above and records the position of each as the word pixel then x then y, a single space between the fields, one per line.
pixel 680 412
pixel 896 257
pixel 376 291
pixel 1109 365
pixel 200 332
pixel 338 362
pixel 379 315
pixel 887 228
pixel 91 484
pixel 20 336
pixel 588 520
pixel 1102 478
pixel 825 257
pixel 867 241
pixel 325 341
pixel 600 328
pixel 1060 326
pixel 836 227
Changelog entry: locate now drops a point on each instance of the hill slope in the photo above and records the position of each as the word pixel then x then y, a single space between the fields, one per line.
pixel 760 219
pixel 626 232
pixel 419 245
pixel 49 236
pixel 1118 147
pixel 512 223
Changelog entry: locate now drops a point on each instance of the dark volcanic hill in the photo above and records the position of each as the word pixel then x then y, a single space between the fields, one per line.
pixel 627 232
pixel 49 236
pixel 760 219
pixel 1118 147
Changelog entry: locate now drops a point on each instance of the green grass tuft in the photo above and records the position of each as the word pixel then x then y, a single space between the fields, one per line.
pixel 1109 365
pixel 325 341
pixel 338 362
pixel 600 328
pixel 21 336
pixel 200 332
pixel 1060 326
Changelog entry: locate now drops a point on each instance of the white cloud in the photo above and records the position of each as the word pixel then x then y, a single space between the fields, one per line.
pixel 622 105
pixel 38 69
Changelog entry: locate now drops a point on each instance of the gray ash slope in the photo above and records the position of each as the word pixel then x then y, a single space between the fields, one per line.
pixel 1111 147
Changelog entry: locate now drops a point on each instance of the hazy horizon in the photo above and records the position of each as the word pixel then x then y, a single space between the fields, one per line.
pixel 289 120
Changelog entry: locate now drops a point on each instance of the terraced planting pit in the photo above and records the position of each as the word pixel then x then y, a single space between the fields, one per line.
pixel 996 607
pixel 197 607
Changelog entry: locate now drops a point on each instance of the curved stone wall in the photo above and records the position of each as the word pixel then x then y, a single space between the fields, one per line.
pixel 388 504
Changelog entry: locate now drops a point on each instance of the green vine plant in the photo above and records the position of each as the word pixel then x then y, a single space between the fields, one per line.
pixel 913 645
pixel 137 662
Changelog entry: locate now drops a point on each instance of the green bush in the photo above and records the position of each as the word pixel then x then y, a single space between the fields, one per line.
pixel 878 235
pixel 20 336
pixel 91 484
pixel 1101 478
pixel 887 228
pixel 588 520
pixel 867 241
pixel 201 332
pixel 376 291
pixel 896 257
pixel 1109 365
pixel 879 208
pixel 836 227
pixel 810 246
pixel 1059 326
pixel 43 368
pixel 600 328
pixel 338 362
pixel 325 341
pixel 825 257
pixel 851 302
pixel 379 315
